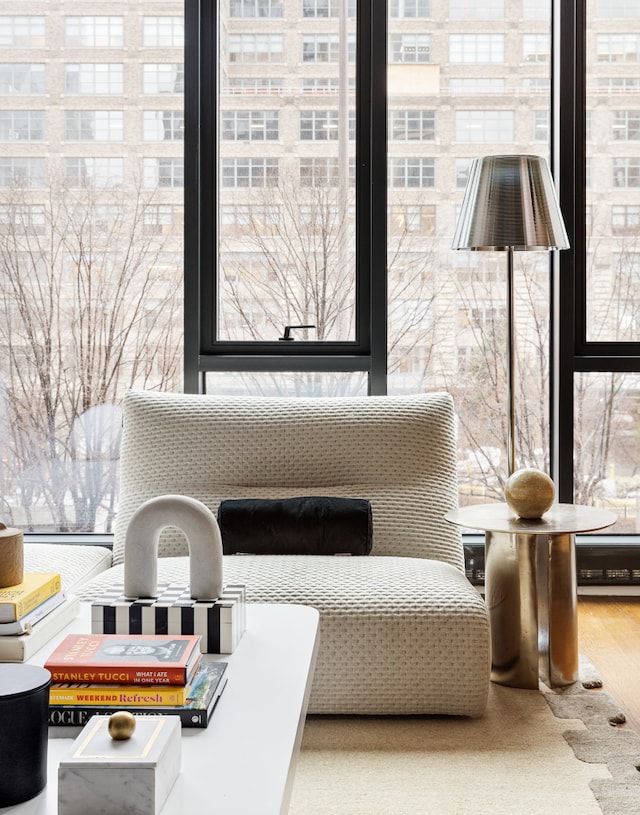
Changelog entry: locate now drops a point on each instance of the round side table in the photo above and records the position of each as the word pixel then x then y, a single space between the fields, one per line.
pixel 531 589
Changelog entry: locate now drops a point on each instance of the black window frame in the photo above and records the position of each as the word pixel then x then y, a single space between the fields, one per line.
pixel 203 351
pixel 570 352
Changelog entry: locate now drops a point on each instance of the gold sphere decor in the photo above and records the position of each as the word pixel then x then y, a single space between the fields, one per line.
pixel 529 493
pixel 121 725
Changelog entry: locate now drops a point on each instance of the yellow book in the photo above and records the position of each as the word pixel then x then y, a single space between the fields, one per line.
pixel 18 600
pixel 65 693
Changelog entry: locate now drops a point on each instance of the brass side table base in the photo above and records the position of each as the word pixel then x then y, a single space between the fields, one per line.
pixel 531 589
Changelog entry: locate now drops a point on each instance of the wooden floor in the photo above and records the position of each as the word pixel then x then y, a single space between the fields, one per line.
pixel 609 636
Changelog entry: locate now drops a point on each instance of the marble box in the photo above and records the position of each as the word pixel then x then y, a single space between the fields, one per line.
pixel 101 776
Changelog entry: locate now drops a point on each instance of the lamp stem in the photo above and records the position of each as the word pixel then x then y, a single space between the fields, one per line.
pixel 511 417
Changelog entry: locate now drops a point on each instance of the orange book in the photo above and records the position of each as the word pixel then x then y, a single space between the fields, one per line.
pixel 125 659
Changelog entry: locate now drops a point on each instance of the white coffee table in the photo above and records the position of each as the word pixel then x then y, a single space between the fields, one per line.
pixel 243 763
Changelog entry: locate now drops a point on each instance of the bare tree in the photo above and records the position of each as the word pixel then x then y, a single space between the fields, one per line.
pixel 480 390
pixel 289 259
pixel 89 309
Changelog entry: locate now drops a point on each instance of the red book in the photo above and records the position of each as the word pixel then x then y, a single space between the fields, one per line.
pixel 108 659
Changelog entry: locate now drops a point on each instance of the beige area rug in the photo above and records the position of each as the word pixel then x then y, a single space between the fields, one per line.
pixel 516 760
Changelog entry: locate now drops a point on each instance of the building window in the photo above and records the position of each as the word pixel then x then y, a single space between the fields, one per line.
pixel 536 48
pixel 625 219
pixel 618 47
pixel 22 78
pixel 163 77
pixel 94 32
pixel 412 125
pixel 541 125
pixel 320 85
pixel 163 125
pixel 22 125
pixel 326 48
pixel 323 125
pixel 162 32
pixel 250 125
pixel 410 9
pixel 256 48
pixel 462 166
pixel 94 173
pixel 625 125
pixel 409 48
pixel 618 9
pixel 29 218
pixel 476 48
pixel 536 10
pixel 255 8
pixel 250 172
pixel 259 84
pixel 484 125
pixel 412 172
pixel 626 172
pixel 163 172
pixel 536 84
pixel 22 32
pixel 618 84
pixel 418 219
pixel 27 173
pixel 318 172
pixel 482 316
pixel 100 218
pixel 94 125
pixel 94 78
pixel 326 8
pixel 243 219
pixel 162 219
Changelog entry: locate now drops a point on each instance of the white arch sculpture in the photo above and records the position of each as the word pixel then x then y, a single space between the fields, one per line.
pixel 201 529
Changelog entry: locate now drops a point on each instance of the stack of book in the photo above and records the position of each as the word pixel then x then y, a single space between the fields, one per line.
pixel 148 675
pixel 31 613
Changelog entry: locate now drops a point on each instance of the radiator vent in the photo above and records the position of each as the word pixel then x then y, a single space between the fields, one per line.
pixel 604 565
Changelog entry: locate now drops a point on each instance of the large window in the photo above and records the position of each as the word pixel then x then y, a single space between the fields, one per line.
pixel 322 154
pixel 91 269
pixel 461 80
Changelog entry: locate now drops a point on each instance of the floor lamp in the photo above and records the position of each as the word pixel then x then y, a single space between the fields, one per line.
pixel 510 205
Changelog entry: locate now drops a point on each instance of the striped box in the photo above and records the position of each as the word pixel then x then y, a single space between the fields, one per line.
pixel 220 623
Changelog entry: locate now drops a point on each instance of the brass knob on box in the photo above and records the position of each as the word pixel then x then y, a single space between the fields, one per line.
pixel 121 725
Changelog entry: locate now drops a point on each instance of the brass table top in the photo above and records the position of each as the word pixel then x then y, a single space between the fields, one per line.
pixel 560 519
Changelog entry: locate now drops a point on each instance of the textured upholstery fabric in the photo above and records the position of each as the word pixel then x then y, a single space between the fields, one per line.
pixel 76 563
pixel 397 635
pixel 401 630
pixel 397 452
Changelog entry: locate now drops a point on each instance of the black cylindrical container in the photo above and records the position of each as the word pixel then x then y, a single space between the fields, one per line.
pixel 24 708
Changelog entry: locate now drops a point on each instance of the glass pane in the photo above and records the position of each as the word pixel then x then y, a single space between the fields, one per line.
pixel 467 80
pixel 286 142
pixel 606 452
pixel 613 156
pixel 90 249
pixel 286 384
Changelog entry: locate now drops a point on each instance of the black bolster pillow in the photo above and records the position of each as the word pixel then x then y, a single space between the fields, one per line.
pixel 296 526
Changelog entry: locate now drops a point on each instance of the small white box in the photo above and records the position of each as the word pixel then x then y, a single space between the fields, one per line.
pixel 101 776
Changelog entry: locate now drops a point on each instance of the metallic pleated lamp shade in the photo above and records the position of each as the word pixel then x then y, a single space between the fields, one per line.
pixel 510 203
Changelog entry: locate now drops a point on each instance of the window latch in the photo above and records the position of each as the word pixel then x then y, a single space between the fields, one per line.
pixel 288 329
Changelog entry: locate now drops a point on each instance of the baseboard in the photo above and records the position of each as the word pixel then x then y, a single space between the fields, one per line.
pixel 608 591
